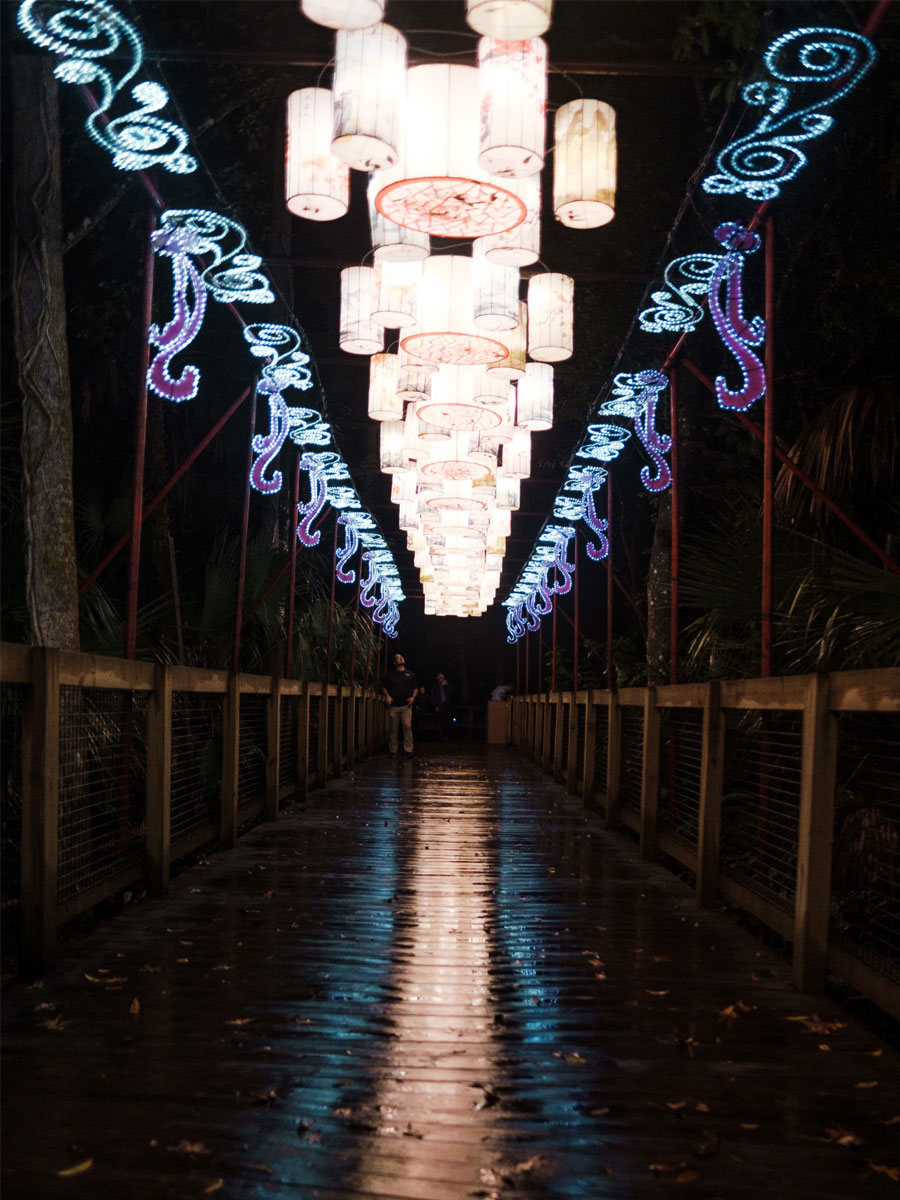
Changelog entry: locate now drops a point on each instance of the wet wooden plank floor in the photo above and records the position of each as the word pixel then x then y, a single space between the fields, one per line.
pixel 438 981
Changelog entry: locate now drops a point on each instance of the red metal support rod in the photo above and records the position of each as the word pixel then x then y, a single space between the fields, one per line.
pixel 553 651
pixel 675 552
pixel 808 483
pixel 242 565
pixel 331 614
pixel 610 673
pixel 575 577
pixel 768 454
pixel 292 590
pixel 140 449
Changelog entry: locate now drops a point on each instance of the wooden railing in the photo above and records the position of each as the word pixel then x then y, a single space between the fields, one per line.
pixel 119 767
pixel 780 797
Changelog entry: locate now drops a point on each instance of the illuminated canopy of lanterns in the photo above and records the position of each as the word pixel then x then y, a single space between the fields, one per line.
pixel 451 152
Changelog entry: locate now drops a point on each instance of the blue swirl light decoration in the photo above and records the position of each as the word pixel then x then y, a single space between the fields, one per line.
pixel 285 367
pixel 533 591
pixel 344 552
pixel 319 468
pixel 757 164
pixel 636 396
pixel 185 235
pixel 675 310
pixel 80 33
pixel 737 333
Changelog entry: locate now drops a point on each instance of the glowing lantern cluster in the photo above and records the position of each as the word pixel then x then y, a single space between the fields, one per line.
pixel 452 151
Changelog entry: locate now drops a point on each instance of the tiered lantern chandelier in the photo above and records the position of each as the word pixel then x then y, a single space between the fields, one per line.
pixel 452 152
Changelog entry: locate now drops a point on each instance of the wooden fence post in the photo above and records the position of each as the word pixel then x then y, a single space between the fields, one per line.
pixel 338 735
pixel 572 757
pixel 613 758
pixel 558 740
pixel 303 744
pixel 351 727
pixel 324 730
pixel 710 816
pixel 159 781
pixel 814 838
pixel 231 744
pixel 40 813
pixel 590 751
pixel 273 750
pixel 547 742
pixel 649 775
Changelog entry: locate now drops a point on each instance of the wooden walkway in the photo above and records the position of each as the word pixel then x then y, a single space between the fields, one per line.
pixel 439 980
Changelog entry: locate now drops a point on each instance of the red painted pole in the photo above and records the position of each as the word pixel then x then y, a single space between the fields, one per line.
pixel 808 483
pixel 675 537
pixel 292 590
pixel 331 614
pixel 610 674
pixel 164 491
pixel 140 449
pixel 518 666
pixel 575 632
pixel 540 666
pixel 353 644
pixel 553 651
pixel 242 566
pixel 768 455
pixel 527 657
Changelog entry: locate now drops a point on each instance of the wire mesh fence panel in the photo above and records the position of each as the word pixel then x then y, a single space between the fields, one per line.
pixel 252 752
pixel 580 738
pixel 345 728
pixel 632 758
pixel 680 757
pixel 102 787
pixel 196 763
pixel 563 716
pixel 13 698
pixel 287 726
pixel 761 801
pixel 315 703
pixel 332 708
pixel 550 748
pixel 601 748
pixel 865 897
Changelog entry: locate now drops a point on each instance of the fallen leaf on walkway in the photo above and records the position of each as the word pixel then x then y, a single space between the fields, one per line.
pixel 749 1125
pixel 824 1046
pixel 57 1024
pixel 182 960
pixel 223 967
pixel 730 1014
pixel 815 1025
pixel 687 1176
pixel 676 1105
pixel 840 1137
pixel 46 1006
pixel 530 1164
pixel 241 1021
pixel 135 1007
pixel 650 992
pixel 661 1168
pixel 708 1142
pixel 804 1018
pixel 598 1112
pixel 78 1169
pixel 875 1053
pixel 38 983
pixel 702 1108
pixel 891 1172
pixel 215 1186
pixel 576 1059
pixel 890 1121
pixel 261 1168
pixel 186 1147
pixel 869 1083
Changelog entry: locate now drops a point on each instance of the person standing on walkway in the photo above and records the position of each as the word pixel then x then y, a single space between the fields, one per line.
pixel 442 702
pixel 399 689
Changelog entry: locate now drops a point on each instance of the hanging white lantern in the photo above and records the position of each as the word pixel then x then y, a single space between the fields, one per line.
pixel 413 383
pixel 534 398
pixel 445 331
pixel 550 316
pixel 510 19
pixel 489 388
pixel 521 246
pixel 392 242
pixel 316 184
pixel 513 365
pixel 517 455
pixel 392 457
pixel 509 490
pixel 512 77
pixel 343 14
pixel 396 293
pixel 403 487
pixel 438 187
pixel 584 164
pixel 359 334
pixel 451 405
pixel 423 432
pixel 369 75
pixel 384 403
pixel 495 292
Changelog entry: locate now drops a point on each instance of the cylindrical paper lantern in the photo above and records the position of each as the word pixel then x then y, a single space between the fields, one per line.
pixel 510 19
pixel 396 293
pixel 550 316
pixel 438 187
pixel 413 383
pixel 521 246
pixel 384 403
pixel 359 334
pixel 392 457
pixel 343 14
pixel 512 80
pixel 392 242
pixel 509 490
pixel 490 388
pixel 316 184
pixel 513 365
pixel 584 164
pixel 534 398
pixel 445 330
pixel 369 74
pixel 517 455
pixel 495 291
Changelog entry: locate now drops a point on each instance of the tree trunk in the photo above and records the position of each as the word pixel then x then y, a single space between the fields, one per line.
pixel 659 593
pixel 42 354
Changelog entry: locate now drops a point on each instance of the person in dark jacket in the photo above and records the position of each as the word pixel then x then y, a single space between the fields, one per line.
pixel 399 689
pixel 442 702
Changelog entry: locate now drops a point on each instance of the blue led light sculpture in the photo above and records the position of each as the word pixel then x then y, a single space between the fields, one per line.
pixel 189 309
pixel 636 396
pixel 82 31
pixel 344 553
pixel 675 310
pixel 758 163
pixel 593 481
